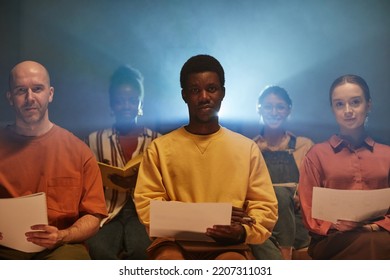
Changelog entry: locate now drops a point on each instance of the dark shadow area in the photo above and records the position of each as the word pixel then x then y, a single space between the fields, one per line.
pixel 300 45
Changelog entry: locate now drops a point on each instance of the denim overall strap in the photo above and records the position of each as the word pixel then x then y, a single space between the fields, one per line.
pixel 284 175
pixel 281 164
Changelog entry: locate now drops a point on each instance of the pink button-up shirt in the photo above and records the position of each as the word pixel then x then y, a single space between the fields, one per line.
pixel 334 164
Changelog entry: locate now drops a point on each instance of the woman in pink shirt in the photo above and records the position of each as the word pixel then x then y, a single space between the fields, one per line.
pixel 349 160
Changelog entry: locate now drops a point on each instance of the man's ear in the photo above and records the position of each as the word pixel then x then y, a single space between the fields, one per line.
pixel 223 93
pixel 184 96
pixel 51 94
pixel 8 95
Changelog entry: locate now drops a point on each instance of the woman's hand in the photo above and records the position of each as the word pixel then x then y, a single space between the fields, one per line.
pixel 124 182
pixel 342 225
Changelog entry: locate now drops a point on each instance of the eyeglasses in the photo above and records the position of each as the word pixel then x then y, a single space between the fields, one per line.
pixel 268 108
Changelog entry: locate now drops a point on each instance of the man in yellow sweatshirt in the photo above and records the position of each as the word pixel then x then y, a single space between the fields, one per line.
pixel 205 162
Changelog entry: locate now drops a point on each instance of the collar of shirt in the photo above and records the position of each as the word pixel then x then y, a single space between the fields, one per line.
pixel 338 143
pixel 144 133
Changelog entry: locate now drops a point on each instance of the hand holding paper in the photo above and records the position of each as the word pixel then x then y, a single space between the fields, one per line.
pixel 187 221
pixel 240 216
pixel 227 234
pixel 126 183
pixel 121 179
pixel 17 215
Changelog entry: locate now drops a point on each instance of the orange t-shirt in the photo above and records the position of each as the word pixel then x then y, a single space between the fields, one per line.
pixel 57 163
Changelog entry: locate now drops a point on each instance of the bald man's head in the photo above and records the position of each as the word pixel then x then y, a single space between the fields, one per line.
pixel 24 68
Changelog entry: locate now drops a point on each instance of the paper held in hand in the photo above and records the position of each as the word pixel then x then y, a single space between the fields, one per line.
pixel 17 215
pixel 130 169
pixel 187 221
pixel 350 205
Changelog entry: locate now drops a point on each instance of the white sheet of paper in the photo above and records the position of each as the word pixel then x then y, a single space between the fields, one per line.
pixel 187 221
pixel 351 205
pixel 17 215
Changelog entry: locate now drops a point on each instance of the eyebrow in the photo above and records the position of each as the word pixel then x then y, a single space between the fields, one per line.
pixel 34 85
pixel 348 98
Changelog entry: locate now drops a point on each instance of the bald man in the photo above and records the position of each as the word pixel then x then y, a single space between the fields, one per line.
pixel 39 156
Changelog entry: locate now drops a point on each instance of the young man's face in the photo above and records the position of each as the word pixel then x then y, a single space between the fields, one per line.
pixel 203 94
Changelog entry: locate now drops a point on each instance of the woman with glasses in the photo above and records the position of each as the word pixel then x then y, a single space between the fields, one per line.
pixel 283 153
pixel 349 160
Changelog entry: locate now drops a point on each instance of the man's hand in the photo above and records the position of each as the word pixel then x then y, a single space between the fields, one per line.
pixel 232 234
pixel 45 236
pixel 239 216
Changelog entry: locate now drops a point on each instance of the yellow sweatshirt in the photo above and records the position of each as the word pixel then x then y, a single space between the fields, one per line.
pixel 221 167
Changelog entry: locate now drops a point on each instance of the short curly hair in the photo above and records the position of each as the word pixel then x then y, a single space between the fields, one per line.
pixel 201 63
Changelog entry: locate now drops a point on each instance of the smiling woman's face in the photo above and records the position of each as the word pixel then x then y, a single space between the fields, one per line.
pixel 125 103
pixel 274 111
